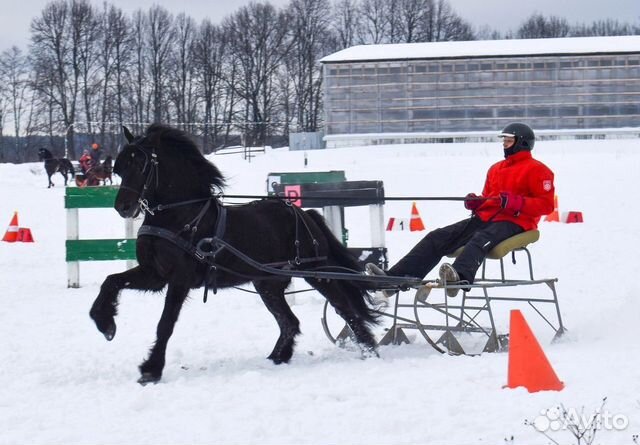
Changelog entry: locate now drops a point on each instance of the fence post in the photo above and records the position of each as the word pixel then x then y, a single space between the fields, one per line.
pixel 376 219
pixel 73 233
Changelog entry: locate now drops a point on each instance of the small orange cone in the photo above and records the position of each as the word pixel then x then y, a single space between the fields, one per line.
pixel 11 235
pixel 574 217
pixel 415 225
pixel 553 216
pixel 24 235
pixel 528 365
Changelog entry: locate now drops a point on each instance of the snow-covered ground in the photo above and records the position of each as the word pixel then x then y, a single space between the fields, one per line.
pixel 62 383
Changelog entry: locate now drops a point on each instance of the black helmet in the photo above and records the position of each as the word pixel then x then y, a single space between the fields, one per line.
pixel 525 138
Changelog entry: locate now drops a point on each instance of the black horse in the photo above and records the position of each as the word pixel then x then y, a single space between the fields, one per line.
pixel 106 170
pixel 165 176
pixel 53 165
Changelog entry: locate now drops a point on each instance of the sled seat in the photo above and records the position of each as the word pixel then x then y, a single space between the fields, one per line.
pixel 511 245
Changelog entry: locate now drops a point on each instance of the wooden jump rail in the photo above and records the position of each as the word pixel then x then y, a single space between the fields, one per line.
pixel 77 249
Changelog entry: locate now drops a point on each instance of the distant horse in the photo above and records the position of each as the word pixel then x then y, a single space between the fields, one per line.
pixel 105 170
pixel 165 176
pixel 53 165
pixel 93 176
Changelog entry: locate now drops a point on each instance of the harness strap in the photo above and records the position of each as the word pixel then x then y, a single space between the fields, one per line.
pixel 298 217
pixel 173 238
pixel 296 263
pixel 187 246
pixel 221 224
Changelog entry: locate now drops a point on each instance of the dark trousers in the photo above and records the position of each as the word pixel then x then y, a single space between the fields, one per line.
pixel 478 237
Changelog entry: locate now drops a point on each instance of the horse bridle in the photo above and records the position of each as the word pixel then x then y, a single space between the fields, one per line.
pixel 150 162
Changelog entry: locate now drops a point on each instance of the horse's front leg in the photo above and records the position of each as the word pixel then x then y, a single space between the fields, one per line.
pixel 151 368
pixel 105 307
pixel 50 182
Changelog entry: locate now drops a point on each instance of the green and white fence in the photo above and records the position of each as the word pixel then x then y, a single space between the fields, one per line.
pixel 77 249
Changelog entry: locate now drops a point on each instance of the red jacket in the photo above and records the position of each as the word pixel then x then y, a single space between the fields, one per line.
pixel 522 175
pixel 85 162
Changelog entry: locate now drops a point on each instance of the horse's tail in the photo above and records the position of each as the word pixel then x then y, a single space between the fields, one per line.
pixel 67 163
pixel 359 299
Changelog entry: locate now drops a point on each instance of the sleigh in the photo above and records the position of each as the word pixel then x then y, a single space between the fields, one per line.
pixel 470 324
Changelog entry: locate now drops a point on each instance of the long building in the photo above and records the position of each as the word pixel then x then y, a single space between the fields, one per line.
pixel 446 90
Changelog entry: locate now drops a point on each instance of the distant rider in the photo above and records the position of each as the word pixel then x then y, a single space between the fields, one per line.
pixel 86 161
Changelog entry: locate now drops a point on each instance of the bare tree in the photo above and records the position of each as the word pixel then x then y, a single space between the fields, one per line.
pixel 57 64
pixel 259 38
pixel 84 29
pixel 374 24
pixel 139 76
pixel 160 35
pixel 209 52
pixel 114 57
pixel 607 27
pixel 345 21
pixel 406 17
pixel 14 75
pixel 181 71
pixel 311 40
pixel 538 26
pixel 441 23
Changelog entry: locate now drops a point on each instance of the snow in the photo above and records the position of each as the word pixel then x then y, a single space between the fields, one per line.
pixel 62 383
pixel 487 48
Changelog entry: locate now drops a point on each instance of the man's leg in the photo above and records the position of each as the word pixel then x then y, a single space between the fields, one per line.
pixel 429 251
pixel 476 249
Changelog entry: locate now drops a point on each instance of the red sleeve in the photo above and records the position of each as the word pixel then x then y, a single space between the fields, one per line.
pixel 539 200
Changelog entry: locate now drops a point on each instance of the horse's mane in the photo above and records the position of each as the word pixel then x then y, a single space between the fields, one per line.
pixel 175 141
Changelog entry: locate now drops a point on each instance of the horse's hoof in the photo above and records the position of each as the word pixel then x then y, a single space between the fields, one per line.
pixel 277 360
pixel 110 332
pixel 369 353
pixel 147 378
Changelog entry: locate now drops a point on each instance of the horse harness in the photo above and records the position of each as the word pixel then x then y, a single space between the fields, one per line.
pixel 215 244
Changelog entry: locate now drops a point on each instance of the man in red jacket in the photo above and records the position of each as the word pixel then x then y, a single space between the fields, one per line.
pixel 517 192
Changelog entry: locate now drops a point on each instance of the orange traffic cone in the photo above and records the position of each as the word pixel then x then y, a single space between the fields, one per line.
pixel 24 235
pixel 11 235
pixel 573 217
pixel 415 225
pixel 528 365
pixel 553 216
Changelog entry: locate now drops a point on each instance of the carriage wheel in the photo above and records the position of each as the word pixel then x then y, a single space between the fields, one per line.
pixel 334 326
pixel 457 326
pixel 339 333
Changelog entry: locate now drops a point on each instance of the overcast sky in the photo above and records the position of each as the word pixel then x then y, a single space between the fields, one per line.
pixel 16 15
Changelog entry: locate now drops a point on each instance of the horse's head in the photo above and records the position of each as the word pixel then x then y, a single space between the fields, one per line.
pixel 43 154
pixel 160 167
pixel 137 165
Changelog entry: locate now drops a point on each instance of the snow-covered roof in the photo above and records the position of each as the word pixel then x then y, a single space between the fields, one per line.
pixel 487 48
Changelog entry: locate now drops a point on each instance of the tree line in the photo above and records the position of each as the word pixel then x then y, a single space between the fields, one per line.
pixel 251 79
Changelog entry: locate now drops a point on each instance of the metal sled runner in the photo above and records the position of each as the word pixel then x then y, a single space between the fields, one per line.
pixel 467 324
